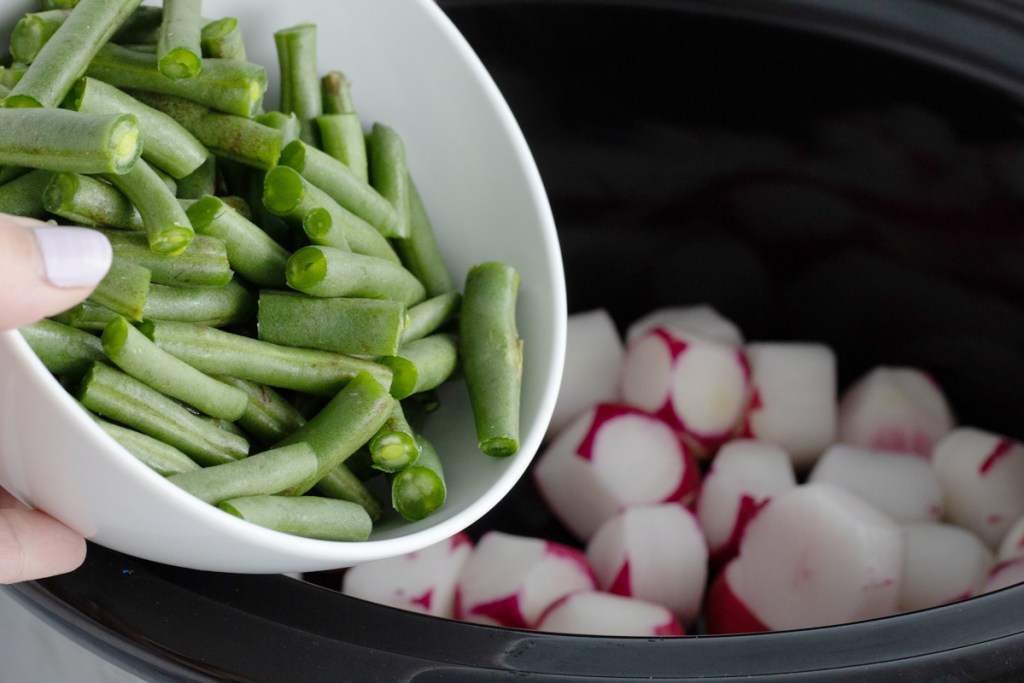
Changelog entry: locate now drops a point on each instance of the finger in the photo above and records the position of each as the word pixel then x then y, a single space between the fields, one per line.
pixel 7 500
pixel 33 545
pixel 46 269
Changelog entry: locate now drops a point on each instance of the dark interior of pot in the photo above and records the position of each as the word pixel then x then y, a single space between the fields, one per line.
pixel 807 187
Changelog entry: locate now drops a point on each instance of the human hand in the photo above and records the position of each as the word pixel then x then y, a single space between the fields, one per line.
pixel 43 271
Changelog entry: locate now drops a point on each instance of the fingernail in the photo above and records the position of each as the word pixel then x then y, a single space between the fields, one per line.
pixel 73 257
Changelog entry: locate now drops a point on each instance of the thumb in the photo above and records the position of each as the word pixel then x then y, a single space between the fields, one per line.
pixel 46 269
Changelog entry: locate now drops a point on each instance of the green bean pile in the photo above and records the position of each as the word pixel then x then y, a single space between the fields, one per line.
pixel 278 315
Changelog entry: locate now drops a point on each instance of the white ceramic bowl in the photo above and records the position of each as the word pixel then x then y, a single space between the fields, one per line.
pixel 411 69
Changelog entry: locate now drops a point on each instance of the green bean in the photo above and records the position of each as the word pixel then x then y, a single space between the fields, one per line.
pixel 57 4
pixel 62 140
pixel 263 473
pixel 492 355
pixel 117 396
pixel 91 202
pixel 420 251
pixel 227 85
pixel 300 81
pixel 23 196
pixel 362 327
pixel 420 490
pixel 203 263
pixel 394 447
pixel 142 27
pixel 136 354
pixel 328 272
pixel 252 253
pixel 341 131
pixel 167 228
pixel 88 315
pixel 347 422
pixel 163 458
pixel 308 516
pixel 389 173
pixel 341 483
pixel 268 417
pixel 10 75
pixel 288 124
pixel 218 306
pixel 430 315
pixel 64 57
pixel 64 350
pixel 218 352
pixel 178 48
pixel 32 31
pixel 200 182
pixel 422 365
pixel 124 289
pixel 222 39
pixel 166 144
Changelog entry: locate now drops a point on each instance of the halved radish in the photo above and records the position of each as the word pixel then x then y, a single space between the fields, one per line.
pixel 895 409
pixel 744 475
pixel 904 487
pixel 982 475
pixel 1012 544
pixel 609 457
pixel 510 580
pixel 944 564
pixel 815 556
pixel 794 398
pixel 699 386
pixel 421 581
pixel 702 320
pixel 1005 574
pixel 604 614
pixel 653 552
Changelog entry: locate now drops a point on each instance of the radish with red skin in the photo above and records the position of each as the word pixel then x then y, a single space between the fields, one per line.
pixel 604 614
pixel 1012 544
pixel 593 361
pixel 510 580
pixel 904 487
pixel 421 581
pixel 653 552
pixel 744 475
pixel 794 398
pixel 1005 574
pixel 982 475
pixel 702 320
pixel 895 409
pixel 815 556
pixel 609 457
pixel 699 386
pixel 944 564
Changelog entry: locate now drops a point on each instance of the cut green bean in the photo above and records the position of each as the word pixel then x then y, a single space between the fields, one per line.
pixel 57 4
pixel 423 364
pixel 23 196
pixel 88 201
pixel 136 354
pixel 228 85
pixel 288 124
pixel 219 306
pixel 141 28
pixel 121 398
pixel 268 417
pixel 88 315
pixel 327 272
pixel 64 350
pixel 362 327
pixel 420 490
pixel 308 516
pixel 341 131
pixel 200 182
pixel 341 483
pixel 394 447
pixel 178 48
pixel 222 39
pixel 166 144
pixel 300 80
pixel 389 173
pixel 32 31
pixel 430 315
pixel 252 253
pixel 124 289
pixel 10 75
pixel 62 140
pixel 420 251
pixel 167 228
pixel 263 473
pixel 492 355
pixel 64 57
pixel 216 351
pixel 203 263
pixel 163 458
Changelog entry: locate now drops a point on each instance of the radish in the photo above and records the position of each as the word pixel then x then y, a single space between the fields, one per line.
pixel 982 475
pixel 944 564
pixel 815 556
pixel 510 580
pixel 700 386
pixel 593 360
pixel 604 614
pixel 609 457
pixel 655 553
pixel 904 487
pixel 702 320
pixel 421 581
pixel 794 398
pixel 1012 544
pixel 742 478
pixel 895 409
pixel 1005 574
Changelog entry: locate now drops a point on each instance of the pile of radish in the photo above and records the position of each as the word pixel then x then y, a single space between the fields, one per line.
pixel 720 485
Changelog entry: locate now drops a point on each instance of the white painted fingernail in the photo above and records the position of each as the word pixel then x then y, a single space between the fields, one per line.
pixel 73 257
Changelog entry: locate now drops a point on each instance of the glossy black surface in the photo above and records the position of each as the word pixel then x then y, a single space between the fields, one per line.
pixel 809 188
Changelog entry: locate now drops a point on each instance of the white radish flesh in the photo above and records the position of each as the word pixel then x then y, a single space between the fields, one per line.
pixel 1012 544
pixel 653 552
pixel 609 457
pixel 593 362
pixel 1005 574
pixel 944 564
pixel 422 581
pixel 510 580
pixel 794 398
pixel 603 614
pixel 744 475
pixel 895 409
pixel 982 476
pixel 904 487
pixel 702 320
